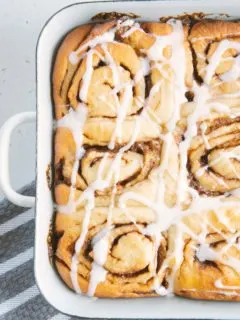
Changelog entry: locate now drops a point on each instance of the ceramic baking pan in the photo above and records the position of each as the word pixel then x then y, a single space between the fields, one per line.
pixel 49 283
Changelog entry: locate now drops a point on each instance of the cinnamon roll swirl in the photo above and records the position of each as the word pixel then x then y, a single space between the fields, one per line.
pixel 135 163
pixel 133 176
pixel 129 262
pixel 209 267
pixel 213 159
pixel 126 171
pixel 216 48
pixel 114 70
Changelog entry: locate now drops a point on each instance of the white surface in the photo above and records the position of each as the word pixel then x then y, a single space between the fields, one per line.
pixel 49 283
pixel 20 24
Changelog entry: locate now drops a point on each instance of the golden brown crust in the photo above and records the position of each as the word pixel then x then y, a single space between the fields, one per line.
pixel 138 170
pixel 197 278
pixel 207 295
pixel 162 29
pixel 221 174
pixel 105 290
pixel 129 262
pixel 136 164
pixel 215 29
pixel 63 71
pixel 206 37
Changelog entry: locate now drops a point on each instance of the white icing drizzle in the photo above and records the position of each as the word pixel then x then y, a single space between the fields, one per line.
pixel 220 285
pixel 203 128
pixel 112 65
pixel 144 70
pixel 100 247
pixel 178 256
pixel 163 220
pixel 74 120
pixel 216 58
pixel 97 274
pixel 121 115
pixel 100 251
pixel 165 216
pixel 76 56
pixel 206 253
pixel 131 30
pixel 87 76
pixel 201 96
pixel 234 73
pixel 177 62
pixel 74 274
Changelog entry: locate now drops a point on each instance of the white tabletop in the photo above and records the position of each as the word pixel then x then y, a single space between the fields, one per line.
pixel 20 24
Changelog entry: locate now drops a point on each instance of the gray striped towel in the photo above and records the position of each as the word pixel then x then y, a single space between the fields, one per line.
pixel 19 295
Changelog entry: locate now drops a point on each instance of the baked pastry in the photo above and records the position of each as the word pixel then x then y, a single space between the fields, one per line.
pixel 146 157
pixel 216 46
pixel 124 248
pixel 210 255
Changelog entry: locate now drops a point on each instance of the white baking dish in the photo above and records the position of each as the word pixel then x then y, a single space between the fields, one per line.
pixel 48 281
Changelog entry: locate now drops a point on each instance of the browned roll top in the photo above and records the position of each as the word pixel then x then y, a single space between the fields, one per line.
pixel 130 260
pixel 214 168
pixel 209 268
pixel 206 38
pixel 135 164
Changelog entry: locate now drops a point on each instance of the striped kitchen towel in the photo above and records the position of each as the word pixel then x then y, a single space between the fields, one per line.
pixel 19 295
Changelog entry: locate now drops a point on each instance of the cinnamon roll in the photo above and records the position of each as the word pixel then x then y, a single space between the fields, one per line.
pixel 209 267
pixel 216 49
pixel 133 176
pixel 146 159
pixel 122 170
pixel 113 70
pixel 213 159
pixel 123 256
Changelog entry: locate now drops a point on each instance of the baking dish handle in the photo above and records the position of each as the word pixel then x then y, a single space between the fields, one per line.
pixel 5 137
